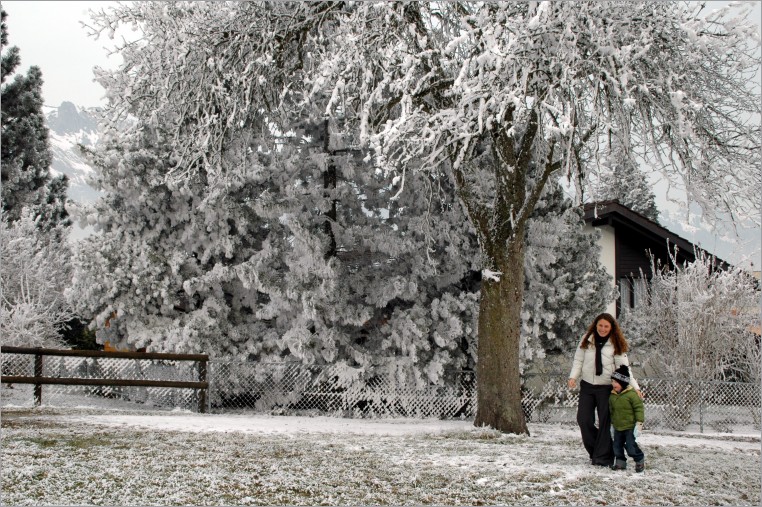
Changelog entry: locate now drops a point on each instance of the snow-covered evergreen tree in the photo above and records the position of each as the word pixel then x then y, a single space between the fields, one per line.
pixel 566 285
pixel 261 281
pixel 327 270
pixel 621 179
pixel 164 270
pixel 25 155
pixel 427 87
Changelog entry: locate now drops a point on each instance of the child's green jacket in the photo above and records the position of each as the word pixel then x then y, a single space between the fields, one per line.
pixel 626 409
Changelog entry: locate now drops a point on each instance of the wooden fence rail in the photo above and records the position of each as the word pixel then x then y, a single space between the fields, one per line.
pixel 38 380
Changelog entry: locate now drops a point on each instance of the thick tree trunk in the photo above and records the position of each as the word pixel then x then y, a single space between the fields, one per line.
pixel 498 376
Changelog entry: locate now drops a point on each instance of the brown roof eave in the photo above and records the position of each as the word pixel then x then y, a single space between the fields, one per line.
pixel 612 212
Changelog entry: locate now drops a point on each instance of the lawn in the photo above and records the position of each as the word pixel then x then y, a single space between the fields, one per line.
pixel 87 456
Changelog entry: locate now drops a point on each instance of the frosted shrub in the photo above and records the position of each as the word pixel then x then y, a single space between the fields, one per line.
pixel 35 271
pixel 697 322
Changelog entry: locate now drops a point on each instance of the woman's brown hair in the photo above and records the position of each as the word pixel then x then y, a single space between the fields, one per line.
pixel 616 336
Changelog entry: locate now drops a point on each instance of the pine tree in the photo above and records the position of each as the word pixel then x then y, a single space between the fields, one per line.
pixel 566 285
pixel 25 153
pixel 35 249
pixel 620 179
pixel 378 292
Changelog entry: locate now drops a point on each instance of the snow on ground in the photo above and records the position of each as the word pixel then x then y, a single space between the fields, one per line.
pixel 266 424
pixel 85 455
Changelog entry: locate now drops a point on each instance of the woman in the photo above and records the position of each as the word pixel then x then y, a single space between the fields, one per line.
pixel 602 350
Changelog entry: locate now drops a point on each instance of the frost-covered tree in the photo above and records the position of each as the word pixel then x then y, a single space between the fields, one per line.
pixel 698 321
pixel 34 252
pixel 25 154
pixel 428 87
pixel 316 264
pixel 35 272
pixel 164 267
pixel 250 273
pixel 566 286
pixel 621 179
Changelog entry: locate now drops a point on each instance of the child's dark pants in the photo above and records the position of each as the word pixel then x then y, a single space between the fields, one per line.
pixel 625 440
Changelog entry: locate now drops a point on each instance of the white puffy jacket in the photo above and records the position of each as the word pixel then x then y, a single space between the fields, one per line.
pixel 584 364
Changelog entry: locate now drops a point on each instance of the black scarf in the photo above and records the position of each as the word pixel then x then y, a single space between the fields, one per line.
pixel 600 341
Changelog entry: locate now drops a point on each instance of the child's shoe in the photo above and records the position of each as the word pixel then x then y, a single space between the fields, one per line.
pixel 640 467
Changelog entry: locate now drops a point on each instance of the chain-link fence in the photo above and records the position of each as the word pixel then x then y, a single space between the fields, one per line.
pixel 331 390
pixel 101 368
pixel 671 404
pixel 291 387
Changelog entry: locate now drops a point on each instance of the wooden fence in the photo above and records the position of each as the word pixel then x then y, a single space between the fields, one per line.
pixel 38 379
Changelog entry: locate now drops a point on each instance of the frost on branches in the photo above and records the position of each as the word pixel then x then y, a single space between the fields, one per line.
pixel 566 285
pixel 34 254
pixel 699 321
pixel 36 271
pixel 488 99
pixel 249 272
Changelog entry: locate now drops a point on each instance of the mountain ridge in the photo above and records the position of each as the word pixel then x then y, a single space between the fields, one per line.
pixel 68 127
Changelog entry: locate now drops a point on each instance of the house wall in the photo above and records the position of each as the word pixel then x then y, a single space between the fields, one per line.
pixel 632 256
pixel 607 243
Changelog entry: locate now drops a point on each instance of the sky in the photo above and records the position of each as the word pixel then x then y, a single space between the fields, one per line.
pixel 49 35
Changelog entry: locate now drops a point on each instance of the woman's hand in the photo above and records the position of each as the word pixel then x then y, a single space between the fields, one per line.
pixel 572 383
pixel 640 393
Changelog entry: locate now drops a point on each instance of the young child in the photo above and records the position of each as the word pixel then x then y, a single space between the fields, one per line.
pixel 627 416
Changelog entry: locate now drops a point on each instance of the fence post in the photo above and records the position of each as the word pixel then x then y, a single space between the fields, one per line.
pixel 701 406
pixel 202 393
pixel 38 373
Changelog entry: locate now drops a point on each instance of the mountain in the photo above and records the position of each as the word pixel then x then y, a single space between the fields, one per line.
pixel 69 126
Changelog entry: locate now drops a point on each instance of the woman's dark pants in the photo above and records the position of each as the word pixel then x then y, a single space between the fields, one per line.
pixel 597 441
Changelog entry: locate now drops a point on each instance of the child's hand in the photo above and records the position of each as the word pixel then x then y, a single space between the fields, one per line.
pixel 638 429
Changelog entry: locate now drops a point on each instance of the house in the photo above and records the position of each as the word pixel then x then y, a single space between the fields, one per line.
pixel 627 238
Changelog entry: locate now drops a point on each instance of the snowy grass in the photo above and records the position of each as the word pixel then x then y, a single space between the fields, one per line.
pixel 95 456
